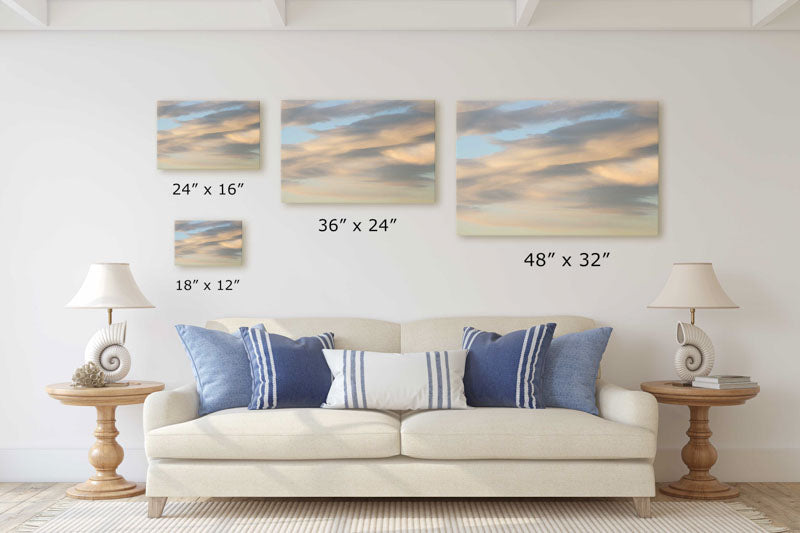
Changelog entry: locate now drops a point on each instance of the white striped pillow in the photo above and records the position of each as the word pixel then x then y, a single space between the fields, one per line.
pixel 395 381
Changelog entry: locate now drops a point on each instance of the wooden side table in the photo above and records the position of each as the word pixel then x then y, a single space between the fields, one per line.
pixel 698 454
pixel 106 454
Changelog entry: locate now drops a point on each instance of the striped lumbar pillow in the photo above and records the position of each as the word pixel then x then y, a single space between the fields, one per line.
pixel 506 370
pixel 286 372
pixel 374 380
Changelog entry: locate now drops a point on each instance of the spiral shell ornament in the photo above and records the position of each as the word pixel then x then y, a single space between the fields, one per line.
pixel 106 349
pixel 695 357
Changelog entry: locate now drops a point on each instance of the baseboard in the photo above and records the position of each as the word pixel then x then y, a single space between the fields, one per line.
pixel 60 464
pixel 737 464
pixel 42 465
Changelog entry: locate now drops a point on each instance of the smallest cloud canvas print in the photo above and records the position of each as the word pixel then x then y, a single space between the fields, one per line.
pixel 208 242
pixel 557 167
pixel 358 151
pixel 209 135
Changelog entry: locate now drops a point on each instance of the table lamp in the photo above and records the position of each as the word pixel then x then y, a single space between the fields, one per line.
pixel 109 286
pixel 693 286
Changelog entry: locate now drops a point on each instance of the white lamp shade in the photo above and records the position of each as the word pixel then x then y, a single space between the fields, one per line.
pixel 693 285
pixel 109 286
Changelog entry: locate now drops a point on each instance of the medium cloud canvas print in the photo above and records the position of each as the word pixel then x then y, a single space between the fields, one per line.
pixel 208 242
pixel 553 167
pixel 209 135
pixel 358 151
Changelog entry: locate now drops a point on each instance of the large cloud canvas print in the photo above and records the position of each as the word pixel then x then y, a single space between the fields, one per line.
pixel 358 151
pixel 557 167
pixel 208 242
pixel 209 135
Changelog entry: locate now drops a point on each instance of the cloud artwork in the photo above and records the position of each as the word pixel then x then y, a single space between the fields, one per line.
pixel 209 135
pixel 208 242
pixel 356 151
pixel 557 167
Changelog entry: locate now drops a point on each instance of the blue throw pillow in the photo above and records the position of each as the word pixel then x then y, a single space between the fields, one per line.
pixel 220 365
pixel 570 369
pixel 286 372
pixel 506 371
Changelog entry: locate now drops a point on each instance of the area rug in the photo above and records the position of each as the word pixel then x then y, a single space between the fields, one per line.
pixel 317 516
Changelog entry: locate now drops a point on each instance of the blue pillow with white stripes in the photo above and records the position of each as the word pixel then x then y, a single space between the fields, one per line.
pixel 286 372
pixel 506 370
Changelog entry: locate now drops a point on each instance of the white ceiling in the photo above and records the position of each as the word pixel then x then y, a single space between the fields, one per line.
pixel 399 14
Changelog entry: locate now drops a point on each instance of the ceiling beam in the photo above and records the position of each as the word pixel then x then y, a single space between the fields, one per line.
pixel 765 11
pixel 277 10
pixel 400 15
pixel 34 11
pixel 525 11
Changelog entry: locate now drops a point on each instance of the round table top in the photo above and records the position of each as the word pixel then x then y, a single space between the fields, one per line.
pixel 674 392
pixel 113 394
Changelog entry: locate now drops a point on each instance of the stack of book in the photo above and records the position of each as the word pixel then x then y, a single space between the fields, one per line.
pixel 723 382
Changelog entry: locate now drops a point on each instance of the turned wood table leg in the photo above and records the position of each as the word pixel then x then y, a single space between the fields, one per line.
pixel 699 455
pixel 105 456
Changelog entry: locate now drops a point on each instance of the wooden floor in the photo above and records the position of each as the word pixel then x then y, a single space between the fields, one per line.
pixel 21 501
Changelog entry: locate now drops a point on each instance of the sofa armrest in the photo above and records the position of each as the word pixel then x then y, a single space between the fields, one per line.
pixel 170 407
pixel 634 408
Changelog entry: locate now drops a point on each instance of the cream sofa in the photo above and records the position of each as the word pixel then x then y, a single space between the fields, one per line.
pixel 481 452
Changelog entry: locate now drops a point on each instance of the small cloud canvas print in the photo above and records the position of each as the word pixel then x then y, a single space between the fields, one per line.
pixel 208 242
pixel 557 167
pixel 209 135
pixel 358 151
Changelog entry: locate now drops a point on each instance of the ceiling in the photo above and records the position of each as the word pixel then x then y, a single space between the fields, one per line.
pixel 399 15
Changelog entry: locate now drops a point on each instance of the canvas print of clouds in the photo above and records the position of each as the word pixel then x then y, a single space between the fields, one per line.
pixel 552 167
pixel 208 242
pixel 209 135
pixel 358 151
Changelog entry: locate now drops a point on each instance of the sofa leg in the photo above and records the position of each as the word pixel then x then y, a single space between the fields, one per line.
pixel 642 506
pixel 155 506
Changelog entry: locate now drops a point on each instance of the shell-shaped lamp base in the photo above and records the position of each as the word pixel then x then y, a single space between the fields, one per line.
pixel 695 357
pixel 107 350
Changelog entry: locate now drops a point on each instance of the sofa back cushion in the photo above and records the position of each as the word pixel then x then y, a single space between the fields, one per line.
pixel 416 336
pixel 446 333
pixel 351 333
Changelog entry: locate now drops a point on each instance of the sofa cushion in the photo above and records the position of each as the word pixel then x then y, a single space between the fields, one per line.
pixel 279 434
pixel 510 433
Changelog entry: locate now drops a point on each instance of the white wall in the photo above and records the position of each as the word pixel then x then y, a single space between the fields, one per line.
pixel 78 184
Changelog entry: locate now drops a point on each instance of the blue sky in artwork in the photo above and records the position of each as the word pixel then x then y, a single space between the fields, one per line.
pixel 322 104
pixel 337 122
pixel 474 146
pixel 522 104
pixel 190 228
pixel 295 135
pixel 471 146
pixel 168 123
